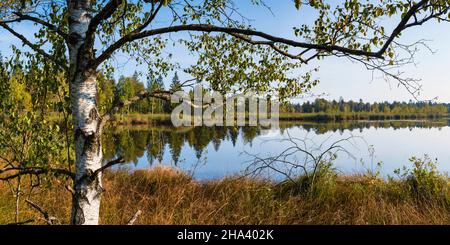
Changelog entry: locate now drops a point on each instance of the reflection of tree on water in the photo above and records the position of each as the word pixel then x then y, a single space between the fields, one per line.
pixel 219 134
pixel 176 143
pixel 133 142
pixel 155 145
pixel 233 133
pixel 249 133
pixel 321 128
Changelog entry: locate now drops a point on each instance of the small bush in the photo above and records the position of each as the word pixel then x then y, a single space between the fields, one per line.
pixel 319 183
pixel 423 181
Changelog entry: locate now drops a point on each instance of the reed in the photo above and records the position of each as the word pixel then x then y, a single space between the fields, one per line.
pixel 168 196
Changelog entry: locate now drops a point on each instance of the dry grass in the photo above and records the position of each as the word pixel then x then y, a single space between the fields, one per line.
pixel 167 196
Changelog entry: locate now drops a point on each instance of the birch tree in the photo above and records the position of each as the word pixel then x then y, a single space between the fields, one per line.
pixel 81 37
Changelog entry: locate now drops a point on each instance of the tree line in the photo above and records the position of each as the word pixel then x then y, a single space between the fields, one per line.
pixel 127 87
pixel 321 105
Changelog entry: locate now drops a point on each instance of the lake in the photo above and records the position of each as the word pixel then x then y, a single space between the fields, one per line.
pixel 216 152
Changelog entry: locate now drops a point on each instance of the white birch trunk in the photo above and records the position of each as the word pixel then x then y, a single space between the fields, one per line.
pixel 87 132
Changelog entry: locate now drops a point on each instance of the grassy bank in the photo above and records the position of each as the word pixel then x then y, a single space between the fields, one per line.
pixel 158 119
pixel 164 119
pixel 167 196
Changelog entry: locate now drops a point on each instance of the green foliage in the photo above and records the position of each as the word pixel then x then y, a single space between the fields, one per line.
pixel 317 184
pixel 27 138
pixel 176 83
pixel 229 64
pixel 157 105
pixel 106 92
pixel 424 181
pixel 128 87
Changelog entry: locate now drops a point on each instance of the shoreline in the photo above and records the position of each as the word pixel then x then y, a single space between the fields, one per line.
pixel 164 119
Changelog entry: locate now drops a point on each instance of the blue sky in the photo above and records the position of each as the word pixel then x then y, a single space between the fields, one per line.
pixel 339 77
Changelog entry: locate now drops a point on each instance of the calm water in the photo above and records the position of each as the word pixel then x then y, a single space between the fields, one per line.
pixel 215 152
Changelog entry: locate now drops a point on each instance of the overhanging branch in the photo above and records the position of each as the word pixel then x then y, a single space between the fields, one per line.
pixel 34 47
pixel 267 39
pixel 164 95
pixel 34 171
pixel 39 21
pixel 228 30
pixel 104 14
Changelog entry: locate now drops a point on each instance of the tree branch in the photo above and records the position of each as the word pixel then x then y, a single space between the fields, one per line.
pixel 49 219
pixel 152 16
pixel 104 14
pixel 270 44
pixel 34 47
pixel 228 30
pixel 34 171
pixel 402 25
pixel 160 94
pixel 91 175
pixel 164 95
pixel 268 39
pixel 39 21
pixel 109 9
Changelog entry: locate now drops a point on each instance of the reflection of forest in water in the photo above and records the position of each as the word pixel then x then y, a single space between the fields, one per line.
pixel 131 142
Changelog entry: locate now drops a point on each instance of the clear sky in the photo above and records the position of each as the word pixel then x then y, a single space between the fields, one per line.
pixel 339 77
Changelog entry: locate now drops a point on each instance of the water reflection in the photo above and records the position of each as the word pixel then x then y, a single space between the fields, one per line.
pixel 222 146
pixel 132 142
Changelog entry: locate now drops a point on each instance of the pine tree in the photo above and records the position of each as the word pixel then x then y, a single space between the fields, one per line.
pixel 176 84
pixel 156 104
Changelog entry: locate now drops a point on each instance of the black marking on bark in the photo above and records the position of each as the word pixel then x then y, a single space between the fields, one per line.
pixel 91 178
pixel 98 187
pixel 90 174
pixel 91 144
pixel 92 141
pixel 78 214
pixel 93 116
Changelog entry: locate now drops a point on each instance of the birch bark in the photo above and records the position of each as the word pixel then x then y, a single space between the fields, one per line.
pixel 86 119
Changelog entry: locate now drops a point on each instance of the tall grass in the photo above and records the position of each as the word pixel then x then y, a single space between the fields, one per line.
pixel 167 196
